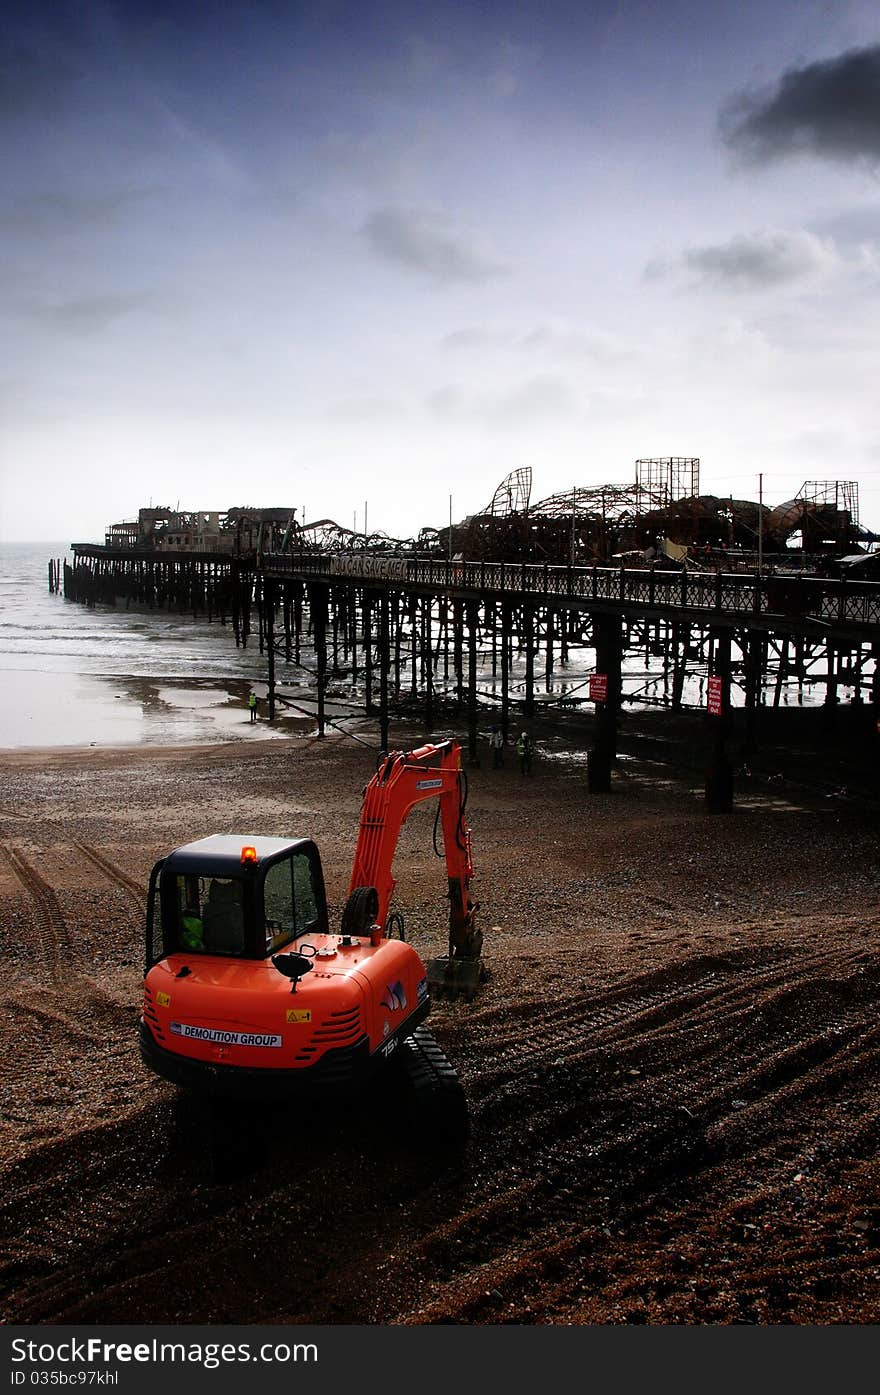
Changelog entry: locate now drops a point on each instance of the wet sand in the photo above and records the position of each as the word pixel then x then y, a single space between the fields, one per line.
pixel 50 710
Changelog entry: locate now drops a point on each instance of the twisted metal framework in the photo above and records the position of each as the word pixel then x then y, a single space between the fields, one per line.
pixel 324 535
pixel 600 504
pixel 513 494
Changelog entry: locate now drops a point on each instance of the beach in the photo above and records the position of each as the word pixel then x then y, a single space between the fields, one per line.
pixel 671 1070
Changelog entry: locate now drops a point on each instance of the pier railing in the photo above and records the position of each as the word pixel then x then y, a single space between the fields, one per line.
pixel 823 600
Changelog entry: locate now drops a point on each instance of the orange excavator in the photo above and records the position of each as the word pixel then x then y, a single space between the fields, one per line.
pixel 249 992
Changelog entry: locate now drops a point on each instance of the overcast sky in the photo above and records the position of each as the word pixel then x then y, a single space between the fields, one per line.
pixel 333 252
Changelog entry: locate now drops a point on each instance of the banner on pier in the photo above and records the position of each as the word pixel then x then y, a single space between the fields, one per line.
pixel 378 568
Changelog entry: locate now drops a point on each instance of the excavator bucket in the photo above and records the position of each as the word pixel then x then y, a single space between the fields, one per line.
pixel 455 978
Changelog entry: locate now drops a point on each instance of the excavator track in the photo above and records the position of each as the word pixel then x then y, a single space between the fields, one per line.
pixel 437 1105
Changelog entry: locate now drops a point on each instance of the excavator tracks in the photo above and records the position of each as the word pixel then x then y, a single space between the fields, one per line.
pixel 436 1103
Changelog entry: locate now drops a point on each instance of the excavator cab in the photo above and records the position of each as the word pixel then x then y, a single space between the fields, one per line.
pixel 248 992
pixel 236 897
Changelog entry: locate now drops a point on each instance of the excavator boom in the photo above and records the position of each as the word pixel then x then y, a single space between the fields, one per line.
pixel 403 780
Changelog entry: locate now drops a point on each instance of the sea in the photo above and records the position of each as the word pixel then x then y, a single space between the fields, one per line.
pixel 114 675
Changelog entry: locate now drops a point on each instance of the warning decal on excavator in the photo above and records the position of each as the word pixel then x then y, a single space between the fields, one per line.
pixel 299 1015
pixel 163 999
pixel 185 1029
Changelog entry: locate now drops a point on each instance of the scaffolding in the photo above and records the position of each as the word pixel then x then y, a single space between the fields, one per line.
pixel 840 495
pixel 660 480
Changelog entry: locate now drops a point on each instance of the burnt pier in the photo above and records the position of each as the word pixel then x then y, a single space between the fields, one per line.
pixel 479 642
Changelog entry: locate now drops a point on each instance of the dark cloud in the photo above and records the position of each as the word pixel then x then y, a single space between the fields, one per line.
pixel 831 109
pixel 84 315
pixel 32 80
pixel 753 261
pixel 426 241
pixel 64 212
pixel 40 55
pixel 761 259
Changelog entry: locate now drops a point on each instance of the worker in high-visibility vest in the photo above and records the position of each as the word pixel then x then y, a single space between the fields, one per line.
pixel 252 704
pixel 524 751
pixel 191 928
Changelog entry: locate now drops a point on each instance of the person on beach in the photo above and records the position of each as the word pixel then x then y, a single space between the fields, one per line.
pixel 252 704
pixel 524 751
pixel 496 741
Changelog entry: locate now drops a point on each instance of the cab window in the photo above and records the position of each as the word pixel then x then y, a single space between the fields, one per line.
pixel 210 915
pixel 289 901
pixel 190 927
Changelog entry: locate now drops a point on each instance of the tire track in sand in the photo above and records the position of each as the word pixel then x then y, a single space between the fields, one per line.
pixel 50 928
pixel 128 884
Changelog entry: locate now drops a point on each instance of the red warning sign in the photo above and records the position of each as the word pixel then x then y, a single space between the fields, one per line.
pixel 714 698
pixel 598 687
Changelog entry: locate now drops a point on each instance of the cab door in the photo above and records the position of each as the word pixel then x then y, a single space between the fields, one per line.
pixel 294 899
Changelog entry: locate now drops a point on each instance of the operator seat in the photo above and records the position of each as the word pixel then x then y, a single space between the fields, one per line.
pixel 224 918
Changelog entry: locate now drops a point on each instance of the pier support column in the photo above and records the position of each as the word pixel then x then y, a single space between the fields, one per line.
pixel 529 640
pixel 782 671
pixel 608 641
pixel 297 621
pixel 457 652
pixel 353 634
pixel 548 657
pixel 334 620
pixel 396 621
pixel 427 665
pixel 681 639
pixel 472 619
pixel 751 647
pixel 719 775
pixel 288 622
pixel 269 599
pixel 384 665
pixel 415 643
pixel 318 608
pixel 829 706
pixel 506 624
pixel 444 625
pixel 367 620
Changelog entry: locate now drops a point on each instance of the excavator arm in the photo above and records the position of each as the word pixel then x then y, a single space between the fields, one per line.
pixel 403 780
